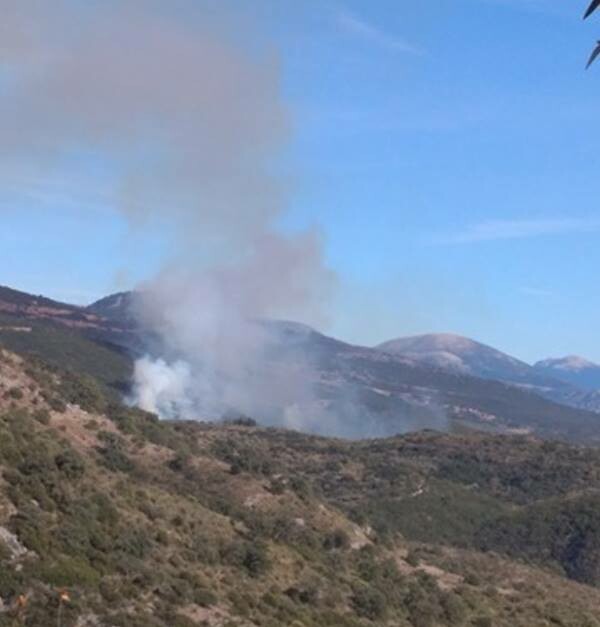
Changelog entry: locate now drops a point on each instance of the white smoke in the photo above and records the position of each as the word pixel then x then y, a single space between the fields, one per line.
pixel 162 388
pixel 182 105
pixel 179 105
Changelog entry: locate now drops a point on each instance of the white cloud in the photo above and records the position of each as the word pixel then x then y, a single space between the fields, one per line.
pixel 491 230
pixel 367 31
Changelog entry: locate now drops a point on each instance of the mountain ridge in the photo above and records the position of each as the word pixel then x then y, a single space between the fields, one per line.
pixel 461 354
pixel 572 369
pixel 356 390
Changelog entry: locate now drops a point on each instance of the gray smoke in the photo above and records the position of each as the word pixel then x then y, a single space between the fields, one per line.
pixel 184 109
pixel 180 106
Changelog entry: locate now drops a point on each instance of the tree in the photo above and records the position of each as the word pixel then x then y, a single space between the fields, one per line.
pixel 593 6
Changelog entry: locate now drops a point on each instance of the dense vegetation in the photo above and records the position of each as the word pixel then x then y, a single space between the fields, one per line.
pixel 524 497
pixel 61 347
pixel 109 516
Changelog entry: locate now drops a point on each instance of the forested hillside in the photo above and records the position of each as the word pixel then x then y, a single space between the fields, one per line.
pixel 111 517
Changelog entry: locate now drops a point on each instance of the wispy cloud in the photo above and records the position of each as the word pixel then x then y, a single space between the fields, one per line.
pixel 490 230
pixel 355 25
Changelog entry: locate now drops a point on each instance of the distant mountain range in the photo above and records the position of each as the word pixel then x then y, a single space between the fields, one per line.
pixel 572 369
pixel 439 381
pixel 571 380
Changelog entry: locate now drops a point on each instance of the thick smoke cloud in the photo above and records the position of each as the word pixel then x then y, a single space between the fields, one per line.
pixel 180 108
pixel 184 110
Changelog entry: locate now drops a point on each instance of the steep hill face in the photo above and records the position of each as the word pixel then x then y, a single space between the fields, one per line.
pixel 572 369
pixel 463 355
pixel 109 517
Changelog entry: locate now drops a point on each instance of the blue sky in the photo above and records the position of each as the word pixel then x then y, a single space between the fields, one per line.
pixel 447 150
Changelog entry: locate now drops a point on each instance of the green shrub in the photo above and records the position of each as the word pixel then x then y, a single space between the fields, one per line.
pixel 14 393
pixel 412 559
pixel 252 556
pixel 42 416
pixel 56 404
pixel 82 390
pixel 455 609
pixel 336 540
pixel 204 597
pixel 113 452
pixel 306 593
pixel 69 571
pixel 70 464
pixel 256 560
pixel 369 603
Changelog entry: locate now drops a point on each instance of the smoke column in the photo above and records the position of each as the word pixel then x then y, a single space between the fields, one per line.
pixel 179 106
pixel 184 107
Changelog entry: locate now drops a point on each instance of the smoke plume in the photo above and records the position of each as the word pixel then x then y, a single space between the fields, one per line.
pixel 183 109
pixel 177 108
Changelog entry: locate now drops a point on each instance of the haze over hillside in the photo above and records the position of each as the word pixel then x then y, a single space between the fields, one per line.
pixel 304 379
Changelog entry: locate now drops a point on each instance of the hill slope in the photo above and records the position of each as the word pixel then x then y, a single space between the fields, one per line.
pixel 109 517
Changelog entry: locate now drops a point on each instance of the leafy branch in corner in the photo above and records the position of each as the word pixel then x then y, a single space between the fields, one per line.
pixel 593 6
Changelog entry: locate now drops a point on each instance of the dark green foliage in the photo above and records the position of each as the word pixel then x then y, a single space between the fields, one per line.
pixel 14 393
pixel 134 542
pixel 306 593
pixel 69 571
pixel 147 427
pixel 369 603
pixel 113 452
pixel 252 556
pixel 336 540
pixel 55 403
pixel 204 597
pixel 245 457
pixel 256 559
pixel 238 420
pixel 454 608
pixel 82 390
pixel 70 464
pixel 300 486
pixel 150 516
pixel 42 416
pixel 67 350
pixel 425 603
pixel 564 532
